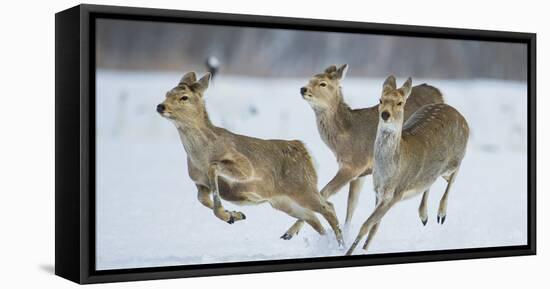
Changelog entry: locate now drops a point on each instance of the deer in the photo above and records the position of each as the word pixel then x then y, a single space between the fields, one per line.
pixel 350 133
pixel 241 169
pixel 409 156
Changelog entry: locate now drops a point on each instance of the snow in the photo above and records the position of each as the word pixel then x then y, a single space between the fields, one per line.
pixel 148 214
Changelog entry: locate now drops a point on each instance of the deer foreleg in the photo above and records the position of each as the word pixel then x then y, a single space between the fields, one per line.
pixel 204 196
pixel 354 191
pixel 219 211
pixel 380 210
pixel 342 177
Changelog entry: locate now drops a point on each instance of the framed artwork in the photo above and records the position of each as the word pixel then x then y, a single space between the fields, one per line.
pixel 195 144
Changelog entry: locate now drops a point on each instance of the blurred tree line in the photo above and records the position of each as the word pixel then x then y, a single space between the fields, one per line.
pixel 140 45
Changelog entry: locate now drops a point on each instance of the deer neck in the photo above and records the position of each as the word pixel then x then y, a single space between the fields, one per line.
pixel 387 148
pixel 196 138
pixel 333 121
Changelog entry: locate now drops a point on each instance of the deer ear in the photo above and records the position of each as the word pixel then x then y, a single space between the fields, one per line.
pixel 202 84
pixel 341 72
pixel 330 69
pixel 205 80
pixel 189 78
pixel 406 88
pixel 389 83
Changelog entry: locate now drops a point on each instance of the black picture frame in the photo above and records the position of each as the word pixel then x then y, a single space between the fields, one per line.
pixel 75 143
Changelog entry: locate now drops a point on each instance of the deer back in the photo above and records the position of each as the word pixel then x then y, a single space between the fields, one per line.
pixel 277 162
pixel 433 141
pixel 421 95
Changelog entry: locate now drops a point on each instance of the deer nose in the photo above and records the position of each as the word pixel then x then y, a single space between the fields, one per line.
pixel 385 115
pixel 160 108
pixel 303 90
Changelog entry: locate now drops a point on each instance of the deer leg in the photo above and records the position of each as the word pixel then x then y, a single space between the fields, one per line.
pixel 317 204
pixel 342 177
pixel 371 235
pixel 303 215
pixel 380 210
pixel 293 230
pixel 219 211
pixel 423 208
pixel 354 191
pixel 372 231
pixel 204 196
pixel 314 222
pixel 442 212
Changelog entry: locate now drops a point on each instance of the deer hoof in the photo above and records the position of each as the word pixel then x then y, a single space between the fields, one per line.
pixel 424 222
pixel 441 220
pixel 231 220
pixel 341 244
pixel 286 236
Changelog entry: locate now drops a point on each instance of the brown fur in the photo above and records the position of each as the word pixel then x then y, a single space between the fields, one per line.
pixel 410 155
pixel 350 133
pixel 243 169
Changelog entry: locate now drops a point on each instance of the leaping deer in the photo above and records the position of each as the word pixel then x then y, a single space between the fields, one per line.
pixel 410 156
pixel 242 169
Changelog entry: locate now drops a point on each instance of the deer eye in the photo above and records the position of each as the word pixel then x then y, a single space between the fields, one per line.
pixel 323 84
pixel 380 101
pixel 400 103
pixel 184 98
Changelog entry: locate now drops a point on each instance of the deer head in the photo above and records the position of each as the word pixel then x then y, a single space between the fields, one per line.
pixel 392 102
pixel 323 90
pixel 184 103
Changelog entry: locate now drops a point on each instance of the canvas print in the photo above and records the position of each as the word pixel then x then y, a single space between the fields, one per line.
pixel 222 144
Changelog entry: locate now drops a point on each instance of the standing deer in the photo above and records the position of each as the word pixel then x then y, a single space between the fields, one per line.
pixel 350 133
pixel 242 169
pixel 409 157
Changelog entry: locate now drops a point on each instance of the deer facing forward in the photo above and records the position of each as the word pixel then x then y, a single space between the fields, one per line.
pixel 409 157
pixel 242 169
pixel 350 133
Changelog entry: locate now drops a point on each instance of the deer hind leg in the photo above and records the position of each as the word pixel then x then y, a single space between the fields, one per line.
pixel 380 210
pixel 219 211
pixel 293 230
pixel 354 191
pixel 314 222
pixel 423 208
pixel 302 214
pixel 442 212
pixel 318 204
pixel 341 178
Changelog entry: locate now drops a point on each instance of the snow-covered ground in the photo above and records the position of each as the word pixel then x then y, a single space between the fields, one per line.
pixel 148 213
